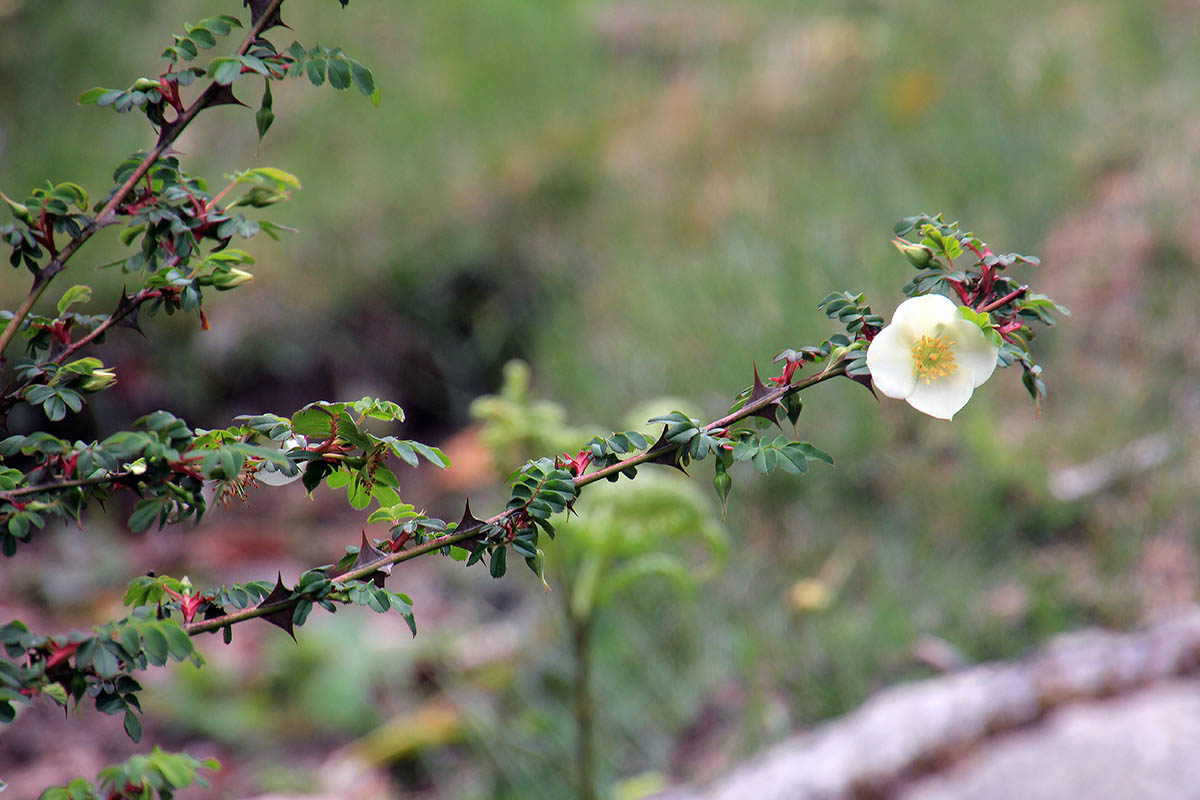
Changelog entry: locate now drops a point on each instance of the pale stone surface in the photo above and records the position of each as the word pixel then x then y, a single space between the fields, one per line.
pixel 1093 714
pixel 1143 746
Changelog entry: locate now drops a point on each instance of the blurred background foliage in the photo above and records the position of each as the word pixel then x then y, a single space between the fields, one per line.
pixel 642 199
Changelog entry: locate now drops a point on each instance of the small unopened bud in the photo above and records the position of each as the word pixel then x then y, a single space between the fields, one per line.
pixel 144 85
pixel 918 255
pixel 99 380
pixel 261 197
pixel 21 212
pixel 231 279
pixel 723 484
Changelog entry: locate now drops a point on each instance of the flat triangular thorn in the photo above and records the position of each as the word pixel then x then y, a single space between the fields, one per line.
pixel 280 618
pixel 368 554
pixel 128 313
pixel 769 413
pixel 669 457
pixel 256 11
pixel 865 380
pixel 468 521
pixel 758 392
pixel 223 96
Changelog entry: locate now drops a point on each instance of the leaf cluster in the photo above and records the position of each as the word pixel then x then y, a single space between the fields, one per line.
pixel 347 454
pixel 160 99
pixel 97 665
pixel 692 440
pixel 201 36
pixel 540 489
pixel 173 215
pixel 319 62
pixel 153 776
pixel 766 454
pixel 168 464
pixel 851 311
pixel 605 451
pixel 46 212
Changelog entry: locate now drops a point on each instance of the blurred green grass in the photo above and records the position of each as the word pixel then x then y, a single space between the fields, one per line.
pixel 643 199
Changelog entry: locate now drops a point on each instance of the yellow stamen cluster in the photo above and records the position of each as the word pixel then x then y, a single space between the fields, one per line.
pixel 933 358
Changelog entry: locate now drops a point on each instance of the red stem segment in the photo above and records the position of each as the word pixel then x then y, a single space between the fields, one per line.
pixel 1008 298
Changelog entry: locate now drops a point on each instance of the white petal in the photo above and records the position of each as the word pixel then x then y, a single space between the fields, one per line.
pixel 271 476
pixel 943 397
pixel 972 350
pixel 889 357
pixel 926 312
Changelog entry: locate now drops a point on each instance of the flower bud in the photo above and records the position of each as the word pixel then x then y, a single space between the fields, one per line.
pixel 230 279
pixel 99 380
pixel 723 484
pixel 261 197
pixel 21 212
pixel 918 255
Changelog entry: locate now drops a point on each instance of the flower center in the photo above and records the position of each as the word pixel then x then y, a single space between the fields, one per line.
pixel 933 358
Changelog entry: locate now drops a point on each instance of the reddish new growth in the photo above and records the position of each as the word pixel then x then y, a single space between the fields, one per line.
pixel 53 465
pixel 184 465
pixel 60 329
pixel 44 234
pixel 978 299
pixel 59 653
pixel 168 87
pixel 789 370
pixel 797 360
pixel 514 524
pixel 397 544
pixel 188 603
pixel 576 464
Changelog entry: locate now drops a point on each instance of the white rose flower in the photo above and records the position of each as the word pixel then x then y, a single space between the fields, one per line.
pixel 930 356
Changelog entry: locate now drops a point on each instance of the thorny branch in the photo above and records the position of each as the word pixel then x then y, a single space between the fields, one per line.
pixel 460 536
